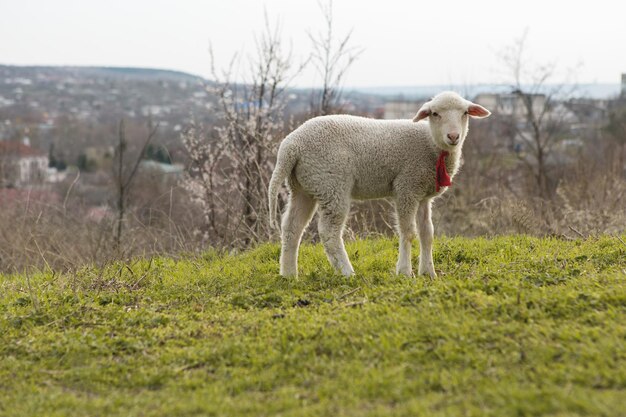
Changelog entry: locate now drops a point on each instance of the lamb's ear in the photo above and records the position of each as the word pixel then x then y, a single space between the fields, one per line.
pixel 476 110
pixel 423 113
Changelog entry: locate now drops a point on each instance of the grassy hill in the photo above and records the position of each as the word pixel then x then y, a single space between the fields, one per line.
pixel 514 326
pixel 137 73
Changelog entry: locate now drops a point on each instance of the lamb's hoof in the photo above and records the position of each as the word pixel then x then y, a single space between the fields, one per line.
pixel 432 274
pixel 405 271
pixel 289 273
pixel 347 272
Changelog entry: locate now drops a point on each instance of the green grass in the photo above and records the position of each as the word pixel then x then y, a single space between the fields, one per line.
pixel 513 326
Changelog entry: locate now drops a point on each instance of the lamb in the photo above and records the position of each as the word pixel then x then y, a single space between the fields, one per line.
pixel 330 160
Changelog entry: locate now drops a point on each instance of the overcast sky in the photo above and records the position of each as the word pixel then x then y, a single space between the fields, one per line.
pixel 405 42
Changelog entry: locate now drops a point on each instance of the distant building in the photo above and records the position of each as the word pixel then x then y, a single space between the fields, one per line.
pixel 166 174
pixel 404 109
pixel 589 110
pixel 623 95
pixel 510 104
pixel 21 165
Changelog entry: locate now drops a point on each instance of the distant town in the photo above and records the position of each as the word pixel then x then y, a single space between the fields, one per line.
pixel 56 122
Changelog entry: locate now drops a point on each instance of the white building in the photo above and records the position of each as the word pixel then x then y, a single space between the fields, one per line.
pixel 21 165
pixel 401 109
pixel 166 174
pixel 510 104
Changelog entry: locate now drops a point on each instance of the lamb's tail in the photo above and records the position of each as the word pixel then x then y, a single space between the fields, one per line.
pixel 285 162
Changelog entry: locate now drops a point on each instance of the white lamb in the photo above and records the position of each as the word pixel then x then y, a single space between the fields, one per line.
pixel 330 160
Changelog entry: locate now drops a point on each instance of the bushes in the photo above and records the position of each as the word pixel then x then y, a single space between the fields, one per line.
pixel 37 235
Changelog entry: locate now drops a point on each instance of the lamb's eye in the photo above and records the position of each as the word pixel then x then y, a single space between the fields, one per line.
pixel 435 114
pixel 465 114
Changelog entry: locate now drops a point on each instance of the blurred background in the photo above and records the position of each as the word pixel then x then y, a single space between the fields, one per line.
pixel 151 127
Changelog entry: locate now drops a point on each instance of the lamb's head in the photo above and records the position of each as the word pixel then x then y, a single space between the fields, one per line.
pixel 448 116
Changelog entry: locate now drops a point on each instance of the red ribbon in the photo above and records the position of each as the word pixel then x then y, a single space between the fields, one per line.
pixel 443 179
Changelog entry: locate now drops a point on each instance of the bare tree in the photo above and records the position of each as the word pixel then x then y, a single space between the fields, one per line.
pixel 616 128
pixel 207 182
pixel 238 159
pixel 332 58
pixel 124 174
pixel 543 120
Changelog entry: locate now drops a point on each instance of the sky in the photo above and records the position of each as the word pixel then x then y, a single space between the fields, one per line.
pixel 404 43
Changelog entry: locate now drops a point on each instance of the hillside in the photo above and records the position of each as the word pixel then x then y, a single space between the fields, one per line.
pixel 514 326
pixel 73 108
pixel 60 72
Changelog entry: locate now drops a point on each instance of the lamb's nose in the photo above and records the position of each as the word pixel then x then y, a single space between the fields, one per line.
pixel 453 137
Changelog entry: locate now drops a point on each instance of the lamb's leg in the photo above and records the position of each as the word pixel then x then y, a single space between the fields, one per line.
pixel 297 216
pixel 405 211
pixel 332 219
pixel 426 231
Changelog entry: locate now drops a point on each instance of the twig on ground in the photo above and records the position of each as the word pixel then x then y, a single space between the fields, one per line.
pixel 341 297
pixel 355 303
pixel 576 231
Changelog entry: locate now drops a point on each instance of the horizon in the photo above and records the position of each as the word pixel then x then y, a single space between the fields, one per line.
pixel 601 90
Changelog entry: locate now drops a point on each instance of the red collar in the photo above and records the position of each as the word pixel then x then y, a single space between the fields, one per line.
pixel 442 178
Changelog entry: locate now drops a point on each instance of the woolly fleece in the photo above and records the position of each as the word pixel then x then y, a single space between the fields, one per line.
pixel 330 160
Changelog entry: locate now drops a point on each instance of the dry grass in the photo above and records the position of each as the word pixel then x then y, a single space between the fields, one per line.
pixel 35 235
pixel 43 236
pixel 589 201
